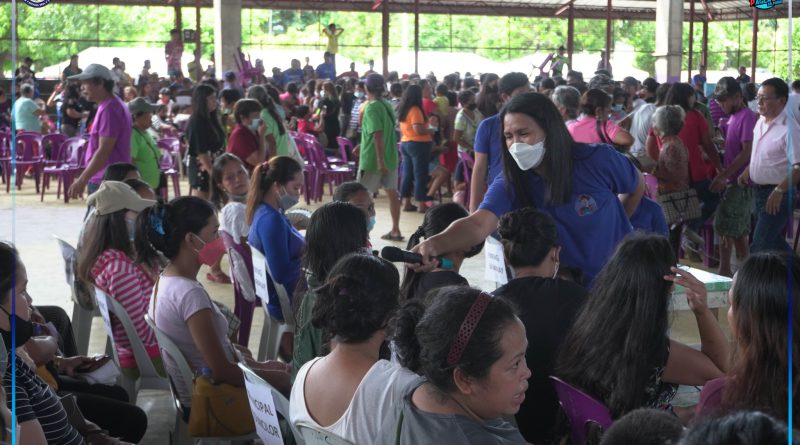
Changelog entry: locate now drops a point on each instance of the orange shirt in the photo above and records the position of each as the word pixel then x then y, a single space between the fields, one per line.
pixel 414 116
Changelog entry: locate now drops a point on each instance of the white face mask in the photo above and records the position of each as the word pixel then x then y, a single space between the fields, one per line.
pixel 527 156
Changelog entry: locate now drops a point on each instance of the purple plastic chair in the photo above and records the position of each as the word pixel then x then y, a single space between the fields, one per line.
pixel 168 168
pixel 345 150
pixel 581 410
pixel 241 262
pixel 29 154
pixel 651 186
pixel 56 143
pixel 467 163
pixel 74 150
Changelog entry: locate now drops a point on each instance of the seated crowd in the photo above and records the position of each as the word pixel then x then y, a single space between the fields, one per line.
pixel 555 170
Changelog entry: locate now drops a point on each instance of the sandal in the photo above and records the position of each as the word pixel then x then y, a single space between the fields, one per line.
pixel 410 208
pixel 220 278
pixel 390 237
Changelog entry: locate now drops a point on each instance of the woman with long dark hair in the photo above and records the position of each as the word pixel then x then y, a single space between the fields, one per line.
pixel 489 95
pixel 619 350
pixel 276 136
pixel 589 190
pixel 437 219
pixel 330 107
pixel 335 230
pixel 415 144
pixel 759 320
pixel 594 126
pixel 206 139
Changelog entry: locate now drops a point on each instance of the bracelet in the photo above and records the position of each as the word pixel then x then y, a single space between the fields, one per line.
pixel 778 189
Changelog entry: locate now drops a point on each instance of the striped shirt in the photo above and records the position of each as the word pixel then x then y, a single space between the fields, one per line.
pixel 37 401
pixel 131 287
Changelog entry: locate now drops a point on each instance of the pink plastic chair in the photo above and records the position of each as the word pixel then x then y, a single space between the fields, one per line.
pixel 167 167
pixel 581 410
pixel 74 150
pixel 241 262
pixel 29 154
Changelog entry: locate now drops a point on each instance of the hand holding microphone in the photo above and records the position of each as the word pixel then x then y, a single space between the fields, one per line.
pixel 397 255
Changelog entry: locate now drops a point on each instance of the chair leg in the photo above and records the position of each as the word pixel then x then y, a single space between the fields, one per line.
pixel 82 328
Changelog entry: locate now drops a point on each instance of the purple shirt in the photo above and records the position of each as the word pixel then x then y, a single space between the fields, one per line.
pixel 113 120
pixel 740 130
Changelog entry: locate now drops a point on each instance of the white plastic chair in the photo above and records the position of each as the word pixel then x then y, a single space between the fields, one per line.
pixel 149 378
pixel 81 317
pixel 281 402
pixel 180 431
pixel 273 329
pixel 313 435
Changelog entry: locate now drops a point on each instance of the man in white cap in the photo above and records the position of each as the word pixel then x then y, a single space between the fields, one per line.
pixel 110 133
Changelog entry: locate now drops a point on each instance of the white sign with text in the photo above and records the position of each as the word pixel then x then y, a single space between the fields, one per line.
pixel 260 275
pixel 495 261
pixel 262 406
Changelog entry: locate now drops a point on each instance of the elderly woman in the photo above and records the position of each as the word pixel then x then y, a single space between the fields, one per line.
pixel 593 126
pixel 567 100
pixel 590 190
pixel 672 170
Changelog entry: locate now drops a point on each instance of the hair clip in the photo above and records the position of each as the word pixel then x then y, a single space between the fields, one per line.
pixel 157 223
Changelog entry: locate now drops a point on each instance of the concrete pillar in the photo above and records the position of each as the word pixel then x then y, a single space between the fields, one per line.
pixel 669 26
pixel 227 34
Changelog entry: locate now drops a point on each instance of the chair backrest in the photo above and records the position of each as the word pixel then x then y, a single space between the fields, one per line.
pixel 314 435
pixel 281 402
pixel 581 410
pixel 170 144
pixel 345 148
pixel 283 296
pixel 69 254
pixel 167 161
pixel 651 186
pixel 56 142
pixel 31 146
pixel 108 306
pixel 81 293
pixel 165 344
pixel 71 149
pixel 242 266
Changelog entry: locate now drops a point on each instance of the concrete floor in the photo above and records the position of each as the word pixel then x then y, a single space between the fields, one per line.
pixel 31 224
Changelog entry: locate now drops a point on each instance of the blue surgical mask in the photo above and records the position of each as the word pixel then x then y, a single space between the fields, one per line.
pixel 254 124
pixel 358 94
pixel 370 224
pixel 617 107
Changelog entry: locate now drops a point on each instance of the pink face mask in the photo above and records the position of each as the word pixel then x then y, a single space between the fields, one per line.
pixel 211 252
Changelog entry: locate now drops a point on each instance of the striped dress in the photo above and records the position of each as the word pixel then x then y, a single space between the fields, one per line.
pixel 127 283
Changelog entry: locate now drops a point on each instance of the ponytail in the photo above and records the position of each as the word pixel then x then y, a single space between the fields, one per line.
pixel 279 170
pixel 160 229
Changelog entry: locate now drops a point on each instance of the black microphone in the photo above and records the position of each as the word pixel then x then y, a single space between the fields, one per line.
pixel 397 255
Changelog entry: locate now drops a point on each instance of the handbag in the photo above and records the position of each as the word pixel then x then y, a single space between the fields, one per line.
pixel 680 206
pixel 218 409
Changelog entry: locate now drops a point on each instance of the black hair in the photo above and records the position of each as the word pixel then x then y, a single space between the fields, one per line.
pixel 511 81
pixel 740 428
pixel 661 93
pixel 280 169
pixel 9 263
pixel 218 197
pixel 292 88
pixel 644 426
pixel 558 163
pixel 336 229
pixel 548 84
pixel 679 94
pixel 396 89
pixel 245 107
pixel 230 95
pixel 436 220
pixel 358 298
pixel 424 329
pixel 780 87
pixel 464 96
pixel 344 191
pixel 796 84
pixel 301 112
pixel 118 171
pixel 629 304
pixel 750 91
pixel 441 89
pixel 412 97
pixel 527 235
pixel 594 99
pixel 162 228
pixel 138 185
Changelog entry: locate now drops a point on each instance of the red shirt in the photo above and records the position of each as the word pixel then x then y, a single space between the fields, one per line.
pixel 694 126
pixel 429 106
pixel 243 142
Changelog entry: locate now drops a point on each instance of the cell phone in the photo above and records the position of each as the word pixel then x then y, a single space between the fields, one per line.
pixel 95 363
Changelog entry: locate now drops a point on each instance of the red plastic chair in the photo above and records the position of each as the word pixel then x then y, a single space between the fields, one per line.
pixel 581 410
pixel 74 150
pixel 29 154
pixel 244 294
pixel 167 167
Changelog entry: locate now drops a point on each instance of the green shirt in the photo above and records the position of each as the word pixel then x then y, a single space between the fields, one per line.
pixel 378 116
pixel 146 156
pixel 307 338
pixel 24 117
pixel 273 127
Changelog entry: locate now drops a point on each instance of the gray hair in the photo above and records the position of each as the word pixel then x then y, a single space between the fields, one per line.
pixel 569 98
pixel 668 120
pixel 26 89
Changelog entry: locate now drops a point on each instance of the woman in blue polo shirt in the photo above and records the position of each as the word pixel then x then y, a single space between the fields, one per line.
pixel 590 190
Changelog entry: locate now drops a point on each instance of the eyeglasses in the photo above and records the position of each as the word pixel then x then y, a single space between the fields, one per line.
pixel 764 98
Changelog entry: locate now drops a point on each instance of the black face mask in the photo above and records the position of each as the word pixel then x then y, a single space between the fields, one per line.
pixel 24 331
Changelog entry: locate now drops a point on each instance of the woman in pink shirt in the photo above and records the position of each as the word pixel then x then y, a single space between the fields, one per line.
pixel 593 126
pixel 107 260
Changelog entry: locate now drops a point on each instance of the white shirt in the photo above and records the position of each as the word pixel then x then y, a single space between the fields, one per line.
pixel 641 123
pixel 376 398
pixel 232 220
pixel 769 162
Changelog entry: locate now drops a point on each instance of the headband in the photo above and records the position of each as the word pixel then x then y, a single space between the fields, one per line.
pixel 471 321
